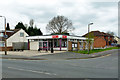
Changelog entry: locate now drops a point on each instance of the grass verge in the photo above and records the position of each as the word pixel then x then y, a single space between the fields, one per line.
pixel 95 50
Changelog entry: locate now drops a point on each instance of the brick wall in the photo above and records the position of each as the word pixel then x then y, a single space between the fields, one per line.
pixel 69 46
pixel 99 42
pixel 78 45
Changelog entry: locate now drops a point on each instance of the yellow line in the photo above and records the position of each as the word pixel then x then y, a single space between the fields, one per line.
pixel 105 56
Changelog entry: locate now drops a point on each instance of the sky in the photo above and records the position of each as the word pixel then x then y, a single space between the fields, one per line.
pixel 103 14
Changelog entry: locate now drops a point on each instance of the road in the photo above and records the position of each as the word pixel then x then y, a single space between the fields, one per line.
pixel 101 67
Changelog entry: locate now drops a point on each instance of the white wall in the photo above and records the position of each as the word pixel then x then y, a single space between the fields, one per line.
pixel 118 41
pixel 16 38
pixel 34 45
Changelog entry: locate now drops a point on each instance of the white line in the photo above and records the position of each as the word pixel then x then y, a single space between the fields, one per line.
pixel 31 71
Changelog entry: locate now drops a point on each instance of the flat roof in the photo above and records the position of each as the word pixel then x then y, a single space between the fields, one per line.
pixel 56 37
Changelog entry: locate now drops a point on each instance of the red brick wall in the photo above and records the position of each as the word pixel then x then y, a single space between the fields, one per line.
pixel 99 42
pixel 69 46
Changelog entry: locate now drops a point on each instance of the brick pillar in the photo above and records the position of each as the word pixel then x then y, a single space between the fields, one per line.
pixel 69 46
pixel 84 45
pixel 78 45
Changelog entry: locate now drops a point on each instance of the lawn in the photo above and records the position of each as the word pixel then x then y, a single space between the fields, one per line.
pixel 95 50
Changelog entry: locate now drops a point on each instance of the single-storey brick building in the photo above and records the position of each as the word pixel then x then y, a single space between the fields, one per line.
pixel 57 42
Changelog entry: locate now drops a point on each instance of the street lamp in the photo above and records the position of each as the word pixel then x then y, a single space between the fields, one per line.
pixel 88 35
pixel 5 35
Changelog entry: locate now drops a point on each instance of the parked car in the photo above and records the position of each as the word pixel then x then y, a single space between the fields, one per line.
pixel 118 45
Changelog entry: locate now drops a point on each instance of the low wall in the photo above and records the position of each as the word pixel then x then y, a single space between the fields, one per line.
pixel 8 48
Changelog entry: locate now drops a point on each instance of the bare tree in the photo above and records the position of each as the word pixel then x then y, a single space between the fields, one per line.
pixel 60 24
pixel 31 22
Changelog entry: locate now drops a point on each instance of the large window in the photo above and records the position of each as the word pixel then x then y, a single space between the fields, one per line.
pixel 40 44
pixel 64 43
pixel 21 34
pixel 56 43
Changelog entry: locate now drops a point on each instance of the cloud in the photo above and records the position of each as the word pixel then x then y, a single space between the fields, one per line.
pixel 102 14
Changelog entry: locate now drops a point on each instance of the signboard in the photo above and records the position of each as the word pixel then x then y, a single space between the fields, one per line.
pixel 5 36
pixel 55 36
pixel 1 35
pixel 64 36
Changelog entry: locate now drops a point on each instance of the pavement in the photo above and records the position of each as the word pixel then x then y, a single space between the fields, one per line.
pixel 35 55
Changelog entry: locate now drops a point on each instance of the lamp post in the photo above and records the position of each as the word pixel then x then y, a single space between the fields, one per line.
pixel 5 35
pixel 88 35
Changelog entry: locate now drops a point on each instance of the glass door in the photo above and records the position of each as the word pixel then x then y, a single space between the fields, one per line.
pixel 45 45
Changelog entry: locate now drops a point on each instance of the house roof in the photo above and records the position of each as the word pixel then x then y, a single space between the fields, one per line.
pixel 14 31
pixel 98 33
pixel 10 32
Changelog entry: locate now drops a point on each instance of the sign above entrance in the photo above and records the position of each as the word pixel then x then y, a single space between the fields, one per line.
pixel 55 36
pixel 64 36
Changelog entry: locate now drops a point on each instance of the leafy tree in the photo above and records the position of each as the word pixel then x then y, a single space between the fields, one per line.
pixel 8 27
pixel 32 31
pixel 60 24
pixel 89 39
pixel 20 26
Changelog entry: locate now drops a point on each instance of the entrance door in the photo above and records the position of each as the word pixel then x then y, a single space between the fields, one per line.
pixel 45 45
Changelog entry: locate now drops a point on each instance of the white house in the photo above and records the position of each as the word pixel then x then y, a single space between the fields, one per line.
pixel 16 35
pixel 117 39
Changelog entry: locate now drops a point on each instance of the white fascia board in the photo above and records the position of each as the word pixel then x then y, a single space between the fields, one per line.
pixel 73 37
pixel 39 37
pixel 59 36
pixel 45 37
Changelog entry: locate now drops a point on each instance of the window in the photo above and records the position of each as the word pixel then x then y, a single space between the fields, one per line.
pixel 56 43
pixel 2 44
pixel 74 45
pixel 64 43
pixel 40 44
pixel 21 34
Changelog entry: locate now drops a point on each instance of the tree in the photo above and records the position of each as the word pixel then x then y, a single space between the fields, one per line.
pixel 110 32
pixel 8 27
pixel 33 31
pixel 20 26
pixel 31 23
pixel 60 24
pixel 89 39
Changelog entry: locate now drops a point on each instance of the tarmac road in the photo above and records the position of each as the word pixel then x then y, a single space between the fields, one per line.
pixel 101 67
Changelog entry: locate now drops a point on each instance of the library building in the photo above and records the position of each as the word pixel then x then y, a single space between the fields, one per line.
pixel 57 42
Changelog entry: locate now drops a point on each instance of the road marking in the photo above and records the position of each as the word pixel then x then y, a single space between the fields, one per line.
pixel 105 56
pixel 32 71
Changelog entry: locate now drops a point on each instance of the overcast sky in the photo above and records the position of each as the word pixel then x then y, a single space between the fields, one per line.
pixel 104 15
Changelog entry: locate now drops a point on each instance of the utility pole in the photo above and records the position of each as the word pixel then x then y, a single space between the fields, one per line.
pixel 5 36
pixel 88 35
